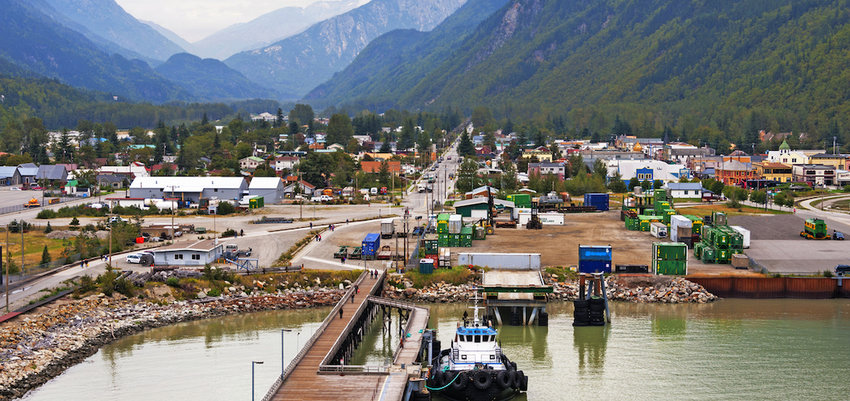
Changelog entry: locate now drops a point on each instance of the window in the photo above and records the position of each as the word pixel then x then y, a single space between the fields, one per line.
pixel 178 256
pixel 477 339
pixel 196 256
pixel 215 189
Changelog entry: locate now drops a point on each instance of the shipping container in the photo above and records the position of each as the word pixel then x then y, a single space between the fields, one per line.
pixel 598 200
pixel 707 254
pixel 455 224
pixel 594 252
pixel 644 225
pixel 387 228
pixel 256 202
pixel 658 230
pixel 430 243
pixel 548 219
pixel 669 251
pixel 480 233
pixel 678 221
pixel 594 266
pixel 745 236
pixel 670 267
pixel 697 224
pixel 466 237
pixel 443 240
pixel 454 240
pixel 520 200
pixel 443 223
pixel 370 245
pixel 509 261
pixel 426 266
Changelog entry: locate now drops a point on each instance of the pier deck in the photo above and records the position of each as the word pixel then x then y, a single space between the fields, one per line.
pixel 304 381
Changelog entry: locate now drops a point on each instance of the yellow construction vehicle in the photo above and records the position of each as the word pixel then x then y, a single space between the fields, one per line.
pixel 32 203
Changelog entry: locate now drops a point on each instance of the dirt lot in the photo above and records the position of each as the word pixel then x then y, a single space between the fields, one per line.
pixel 558 245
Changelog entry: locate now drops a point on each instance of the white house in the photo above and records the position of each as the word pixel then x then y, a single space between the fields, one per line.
pixel 250 163
pixel 285 163
pixel 647 170
pixel 197 254
pixel 790 157
pixel 685 189
pixel 134 170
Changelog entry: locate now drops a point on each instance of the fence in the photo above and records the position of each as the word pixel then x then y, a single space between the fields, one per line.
pixel 18 208
pixel 30 271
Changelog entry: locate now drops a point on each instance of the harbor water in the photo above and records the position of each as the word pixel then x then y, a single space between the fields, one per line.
pixel 732 349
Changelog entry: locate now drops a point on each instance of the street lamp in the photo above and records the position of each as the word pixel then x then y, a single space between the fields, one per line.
pixel 253 363
pixel 282 358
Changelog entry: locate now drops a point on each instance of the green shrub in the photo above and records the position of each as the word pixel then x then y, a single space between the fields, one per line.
pixel 225 208
pixel 215 292
pixel 173 282
pixel 229 233
pixel 48 229
pixel 125 287
pixel 46 214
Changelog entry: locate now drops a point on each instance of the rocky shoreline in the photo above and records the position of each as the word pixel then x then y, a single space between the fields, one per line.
pixel 625 289
pixel 39 346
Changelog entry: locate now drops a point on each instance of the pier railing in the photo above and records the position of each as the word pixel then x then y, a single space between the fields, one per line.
pixel 315 337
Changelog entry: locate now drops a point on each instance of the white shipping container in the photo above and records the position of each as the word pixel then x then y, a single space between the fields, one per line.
pixel 658 230
pixel 744 233
pixel 455 224
pixel 520 210
pixel 677 221
pixel 504 261
pixel 548 219
pixel 387 228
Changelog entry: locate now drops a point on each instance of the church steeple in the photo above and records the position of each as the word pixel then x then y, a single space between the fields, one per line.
pixel 784 147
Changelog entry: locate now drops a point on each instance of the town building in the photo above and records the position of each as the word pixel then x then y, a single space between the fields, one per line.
pixel 838 161
pixel 270 188
pixel 685 189
pixel 282 163
pixel 134 170
pixel 373 167
pixel 773 171
pixel 814 174
pixel 9 175
pixel 198 254
pixel 734 172
pixel 477 207
pixel 542 154
pixel 791 157
pixel 188 189
pixel 250 163
pixel 481 191
pixel 648 170
pixel 29 172
pixel 543 169
pixel 51 174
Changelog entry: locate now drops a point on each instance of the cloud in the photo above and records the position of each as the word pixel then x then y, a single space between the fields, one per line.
pixel 194 20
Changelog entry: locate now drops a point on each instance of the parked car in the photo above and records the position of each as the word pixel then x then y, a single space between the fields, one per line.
pixel 36 188
pixel 837 235
pixel 326 198
pixel 418 230
pixel 116 219
pixel 316 198
pixel 137 257
pixel 374 191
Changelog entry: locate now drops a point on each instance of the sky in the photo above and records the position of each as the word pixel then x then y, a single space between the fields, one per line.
pixel 194 20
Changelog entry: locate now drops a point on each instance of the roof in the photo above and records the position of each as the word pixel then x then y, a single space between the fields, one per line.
pixel 480 200
pixel 109 178
pixel 772 165
pixel 734 165
pixel 815 166
pixel 265 183
pixel 51 172
pixel 8 171
pixel 28 169
pixel 188 184
pixel 482 189
pixel 685 186
pixel 254 159
pixel 547 165
pixel 375 166
pixel 827 156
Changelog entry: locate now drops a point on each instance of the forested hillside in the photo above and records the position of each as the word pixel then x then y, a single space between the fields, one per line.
pixel 728 66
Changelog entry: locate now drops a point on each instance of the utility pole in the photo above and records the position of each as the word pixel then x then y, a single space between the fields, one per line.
pixel 172 214
pixel 111 226
pixel 7 278
pixel 21 227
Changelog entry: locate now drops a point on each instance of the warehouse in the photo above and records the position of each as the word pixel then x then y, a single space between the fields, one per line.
pixel 198 254
pixel 270 188
pixel 465 207
pixel 188 190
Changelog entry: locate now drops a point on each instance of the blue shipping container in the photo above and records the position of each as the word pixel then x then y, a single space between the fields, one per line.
pixel 594 266
pixel 598 200
pixel 590 252
pixel 371 244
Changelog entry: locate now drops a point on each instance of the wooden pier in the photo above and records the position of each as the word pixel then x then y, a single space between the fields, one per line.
pixel 315 375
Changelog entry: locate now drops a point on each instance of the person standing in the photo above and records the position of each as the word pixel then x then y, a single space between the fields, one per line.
pixel 340 313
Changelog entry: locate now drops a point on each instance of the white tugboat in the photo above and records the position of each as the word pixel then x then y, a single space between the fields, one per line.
pixel 474 368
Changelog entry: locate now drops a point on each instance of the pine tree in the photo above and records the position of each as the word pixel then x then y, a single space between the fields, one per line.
pixel 45 256
pixel 465 147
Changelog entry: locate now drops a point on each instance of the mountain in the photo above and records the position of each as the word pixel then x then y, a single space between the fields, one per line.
pixel 183 43
pixel 108 20
pixel 402 57
pixel 210 79
pixel 32 40
pixel 668 57
pixel 269 28
pixel 299 63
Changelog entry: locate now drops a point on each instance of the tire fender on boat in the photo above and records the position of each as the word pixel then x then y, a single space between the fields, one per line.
pixel 524 385
pixel 518 380
pixel 482 380
pixel 460 383
pixel 503 379
pixel 512 378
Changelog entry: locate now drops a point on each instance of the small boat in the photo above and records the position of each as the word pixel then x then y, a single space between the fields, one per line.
pixel 474 367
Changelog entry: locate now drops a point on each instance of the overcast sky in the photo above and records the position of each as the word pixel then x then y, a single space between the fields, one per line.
pixel 194 20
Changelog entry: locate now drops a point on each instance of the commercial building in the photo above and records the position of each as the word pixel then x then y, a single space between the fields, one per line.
pixel 188 189
pixel 838 161
pixel 734 172
pixel 814 174
pixel 543 169
pixel 197 254
pixel 270 188
pixel 477 207
pixel 773 171
pixel 9 175
pixel 648 170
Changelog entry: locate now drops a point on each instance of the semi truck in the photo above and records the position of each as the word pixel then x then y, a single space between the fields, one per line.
pixel 387 228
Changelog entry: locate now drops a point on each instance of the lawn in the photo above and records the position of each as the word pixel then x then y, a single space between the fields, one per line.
pixel 34 241
pixel 704 210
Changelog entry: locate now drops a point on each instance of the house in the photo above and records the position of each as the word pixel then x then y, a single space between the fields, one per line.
pixel 198 254
pixel 134 170
pixel 685 189
pixel 372 167
pixel 628 142
pixel 542 169
pixel 481 191
pixel 814 174
pixel 336 148
pixel 838 161
pixel 285 163
pixel 542 153
pixel 467 208
pixel 9 175
pixel 301 187
pixel 164 169
pixel 250 163
pixel 189 189
pixel 648 170
pixel 52 174
pixel 110 180
pixel 270 188
pixel 29 172
pixel 734 172
pixel 73 188
pixel 773 171
pixel 682 153
pixel 267 117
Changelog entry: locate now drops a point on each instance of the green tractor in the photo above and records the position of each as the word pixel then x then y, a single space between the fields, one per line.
pixel 815 229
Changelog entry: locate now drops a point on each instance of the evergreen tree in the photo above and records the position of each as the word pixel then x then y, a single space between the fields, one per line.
pixel 45 256
pixel 340 129
pixel 406 140
pixel 465 147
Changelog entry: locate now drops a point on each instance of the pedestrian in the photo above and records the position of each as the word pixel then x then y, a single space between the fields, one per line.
pixel 343 260
pixel 340 313
pixel 346 221
pixel 352 298
pixel 356 289
pixel 311 225
pixel 241 233
pixel 320 237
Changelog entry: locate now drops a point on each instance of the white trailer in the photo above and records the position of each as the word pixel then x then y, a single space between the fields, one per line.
pixel 744 233
pixel 455 224
pixel 658 230
pixel 504 261
pixel 548 219
pixel 387 228
pixel 677 221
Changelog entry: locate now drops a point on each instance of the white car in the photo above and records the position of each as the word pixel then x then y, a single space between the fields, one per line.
pixel 316 199
pixel 134 258
pixel 327 198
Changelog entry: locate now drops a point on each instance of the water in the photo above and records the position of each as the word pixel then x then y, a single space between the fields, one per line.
pixel 732 349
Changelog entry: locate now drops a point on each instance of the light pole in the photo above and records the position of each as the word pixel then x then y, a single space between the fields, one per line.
pixel 252 376
pixel 282 358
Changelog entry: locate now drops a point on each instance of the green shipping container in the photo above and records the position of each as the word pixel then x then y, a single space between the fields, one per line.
pixel 671 267
pixel 443 223
pixel 520 200
pixel 443 240
pixel 669 251
pixel 708 255
pixel 466 237
pixel 644 225
pixel 649 212
pixel 454 240
pixel 698 247
pixel 723 256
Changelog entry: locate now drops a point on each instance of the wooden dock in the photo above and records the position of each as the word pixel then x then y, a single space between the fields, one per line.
pixel 307 378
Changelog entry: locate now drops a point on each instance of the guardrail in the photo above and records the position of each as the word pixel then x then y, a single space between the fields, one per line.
pixel 309 344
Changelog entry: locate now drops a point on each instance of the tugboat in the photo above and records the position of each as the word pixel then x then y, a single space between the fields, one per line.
pixel 474 368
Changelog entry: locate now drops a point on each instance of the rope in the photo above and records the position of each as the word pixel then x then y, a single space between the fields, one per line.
pixel 447 385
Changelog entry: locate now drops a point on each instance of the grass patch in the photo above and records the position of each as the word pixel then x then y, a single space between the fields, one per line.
pixel 704 210
pixel 563 273
pixel 455 276
pixel 34 243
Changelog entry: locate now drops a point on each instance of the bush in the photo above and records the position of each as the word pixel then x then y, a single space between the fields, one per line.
pixel 173 282
pixel 213 274
pixel 225 208
pixel 215 292
pixel 125 287
pixel 87 284
pixel 45 256
pixel 48 229
pixel 229 233
pixel 74 223
pixel 46 214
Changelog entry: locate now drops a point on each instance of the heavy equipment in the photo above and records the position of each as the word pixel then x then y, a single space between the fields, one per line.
pixel 534 223
pixel 32 203
pixel 815 229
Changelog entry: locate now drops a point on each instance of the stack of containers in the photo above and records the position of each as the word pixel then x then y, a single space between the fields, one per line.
pixel 632 221
pixel 594 259
pixel 443 223
pixel 718 244
pixel 696 224
pixel 598 200
pixel 466 237
pixel 520 200
pixel 430 246
pixel 670 258
pixel 666 213
pixel 645 221
pixel 455 227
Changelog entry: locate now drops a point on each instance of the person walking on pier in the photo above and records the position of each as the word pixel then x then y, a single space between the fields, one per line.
pixel 340 313
pixel 352 298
